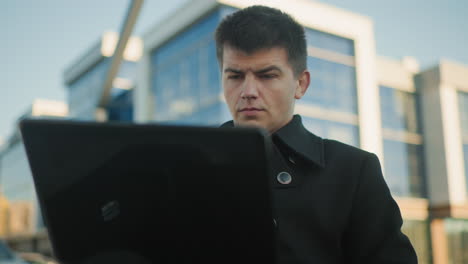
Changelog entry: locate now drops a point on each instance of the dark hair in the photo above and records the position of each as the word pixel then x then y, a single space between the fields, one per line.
pixel 258 27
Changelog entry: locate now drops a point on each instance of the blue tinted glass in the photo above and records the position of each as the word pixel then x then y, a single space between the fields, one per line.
pixel 399 110
pixel 84 92
pixel 463 105
pixel 120 108
pixel 214 74
pixel 330 42
pixel 345 133
pixel 127 70
pixel 193 78
pixel 5 253
pixel 465 151
pixel 185 71
pixel 16 179
pixel 227 10
pixel 176 47
pixel 316 126
pixel 210 115
pixel 333 86
pixel 403 168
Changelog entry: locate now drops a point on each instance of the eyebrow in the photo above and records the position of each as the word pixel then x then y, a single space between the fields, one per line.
pixel 233 70
pixel 264 70
pixel 269 68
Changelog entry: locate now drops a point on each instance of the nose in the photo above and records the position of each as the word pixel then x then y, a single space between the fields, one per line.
pixel 249 88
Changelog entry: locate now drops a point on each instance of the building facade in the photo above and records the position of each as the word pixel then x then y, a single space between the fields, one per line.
pixel 20 219
pixel 20 215
pixel 402 138
pixel 84 81
pixel 443 90
pixel 179 76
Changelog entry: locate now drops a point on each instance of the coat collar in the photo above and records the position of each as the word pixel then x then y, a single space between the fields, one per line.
pixel 298 139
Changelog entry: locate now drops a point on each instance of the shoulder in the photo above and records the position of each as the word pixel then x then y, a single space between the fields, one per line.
pixel 335 147
pixel 339 152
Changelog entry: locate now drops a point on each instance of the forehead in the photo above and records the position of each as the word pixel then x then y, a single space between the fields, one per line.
pixel 236 58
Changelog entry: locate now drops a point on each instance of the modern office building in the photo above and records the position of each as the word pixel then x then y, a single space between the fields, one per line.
pixel 179 77
pixel 444 103
pixel 20 216
pixel 85 79
pixel 402 138
pixel 21 221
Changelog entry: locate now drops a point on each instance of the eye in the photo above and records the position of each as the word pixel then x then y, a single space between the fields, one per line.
pixel 268 76
pixel 234 76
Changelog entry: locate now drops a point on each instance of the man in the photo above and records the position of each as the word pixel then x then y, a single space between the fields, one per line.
pixel 332 204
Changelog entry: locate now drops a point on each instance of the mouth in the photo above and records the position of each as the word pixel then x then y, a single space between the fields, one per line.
pixel 250 111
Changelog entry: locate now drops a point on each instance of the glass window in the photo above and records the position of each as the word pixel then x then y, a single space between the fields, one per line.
pixel 5 253
pixel 214 72
pixel 120 108
pixel 463 104
pixel 399 110
pixel 457 240
pixel 465 152
pixel 227 10
pixel 345 133
pixel 418 233
pixel 127 70
pixel 184 41
pixel 185 72
pixel 211 115
pixel 403 168
pixel 316 126
pixel 17 183
pixel 84 92
pixel 403 160
pixel 192 86
pixel 333 86
pixel 330 42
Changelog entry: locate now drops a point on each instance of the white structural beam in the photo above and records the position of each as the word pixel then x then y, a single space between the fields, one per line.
pixel 125 33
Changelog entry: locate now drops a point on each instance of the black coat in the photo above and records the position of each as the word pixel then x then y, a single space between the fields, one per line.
pixel 337 207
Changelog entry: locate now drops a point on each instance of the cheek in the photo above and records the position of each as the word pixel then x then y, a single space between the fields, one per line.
pixel 231 96
pixel 281 98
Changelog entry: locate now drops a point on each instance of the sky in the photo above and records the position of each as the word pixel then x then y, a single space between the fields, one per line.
pixel 40 39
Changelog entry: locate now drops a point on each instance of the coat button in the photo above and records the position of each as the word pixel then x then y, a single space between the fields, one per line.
pixel 284 177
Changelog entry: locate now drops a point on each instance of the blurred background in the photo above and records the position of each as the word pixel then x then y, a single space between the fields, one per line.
pixel 390 77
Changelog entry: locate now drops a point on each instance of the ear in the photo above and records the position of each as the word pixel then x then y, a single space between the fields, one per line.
pixel 303 82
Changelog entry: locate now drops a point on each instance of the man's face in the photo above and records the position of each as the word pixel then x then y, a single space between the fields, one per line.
pixel 260 88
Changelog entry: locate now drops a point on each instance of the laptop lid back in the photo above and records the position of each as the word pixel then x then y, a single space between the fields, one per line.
pixel 165 194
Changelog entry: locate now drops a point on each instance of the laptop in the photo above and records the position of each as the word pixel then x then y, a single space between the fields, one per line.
pixel 127 193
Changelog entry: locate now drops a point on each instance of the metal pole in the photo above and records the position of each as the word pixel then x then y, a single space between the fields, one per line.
pixel 116 60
